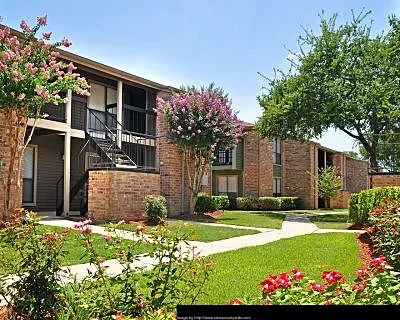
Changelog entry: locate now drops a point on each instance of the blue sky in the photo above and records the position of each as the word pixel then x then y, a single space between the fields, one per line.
pixel 195 42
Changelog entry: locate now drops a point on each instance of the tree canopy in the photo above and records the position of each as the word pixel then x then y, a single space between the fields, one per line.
pixel 343 78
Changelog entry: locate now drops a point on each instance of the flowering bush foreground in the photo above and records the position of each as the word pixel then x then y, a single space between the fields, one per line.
pixel 375 284
pixel 378 283
pixel 384 231
pixel 37 291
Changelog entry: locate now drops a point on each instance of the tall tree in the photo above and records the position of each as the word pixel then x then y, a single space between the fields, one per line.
pixel 199 122
pixel 343 77
pixel 31 75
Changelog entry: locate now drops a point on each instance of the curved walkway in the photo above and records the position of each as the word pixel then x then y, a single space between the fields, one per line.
pixel 293 225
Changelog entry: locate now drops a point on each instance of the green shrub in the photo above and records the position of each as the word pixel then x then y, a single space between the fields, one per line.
pixel 353 207
pixel 156 209
pixel 384 231
pixel 267 203
pixel 367 200
pixel 289 203
pixel 220 202
pixel 204 204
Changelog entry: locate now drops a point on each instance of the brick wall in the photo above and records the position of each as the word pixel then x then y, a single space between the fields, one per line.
pixel 385 180
pixel 298 159
pixel 265 168
pixel 5 158
pixel 117 194
pixel 357 178
pixel 250 164
pixel 340 201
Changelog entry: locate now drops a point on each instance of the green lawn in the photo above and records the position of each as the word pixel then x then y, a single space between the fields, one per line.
pixel 262 219
pixel 238 273
pixel 74 247
pixel 195 231
pixel 331 221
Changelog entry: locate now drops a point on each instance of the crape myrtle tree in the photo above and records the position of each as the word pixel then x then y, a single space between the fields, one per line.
pixel 200 121
pixel 31 75
pixel 345 78
pixel 329 183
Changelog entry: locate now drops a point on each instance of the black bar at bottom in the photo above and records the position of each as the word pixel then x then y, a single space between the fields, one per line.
pixel 258 312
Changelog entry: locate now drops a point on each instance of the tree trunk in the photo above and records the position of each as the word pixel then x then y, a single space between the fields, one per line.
pixel 12 144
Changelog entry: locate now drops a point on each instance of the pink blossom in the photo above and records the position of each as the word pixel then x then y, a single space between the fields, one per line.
pixel 3 66
pixel 107 238
pixel 46 35
pixel 71 67
pixel 24 26
pixel 139 228
pixel 66 43
pixel 21 96
pixel 42 20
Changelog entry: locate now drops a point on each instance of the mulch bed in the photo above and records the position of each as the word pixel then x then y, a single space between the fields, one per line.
pixel 366 248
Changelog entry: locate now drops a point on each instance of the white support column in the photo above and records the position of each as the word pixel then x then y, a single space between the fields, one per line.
pixel 67 153
pixel 119 113
pixel 68 109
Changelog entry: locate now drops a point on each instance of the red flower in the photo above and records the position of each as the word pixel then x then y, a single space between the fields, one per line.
pixel 360 273
pixel 284 280
pixel 379 263
pixel 107 238
pixel 317 287
pixel 236 302
pixel 139 229
pixel 269 285
pixel 332 277
pixel 297 275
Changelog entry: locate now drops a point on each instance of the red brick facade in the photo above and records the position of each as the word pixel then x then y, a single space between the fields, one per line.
pixel 385 180
pixel 298 163
pixel 257 164
pixel 116 195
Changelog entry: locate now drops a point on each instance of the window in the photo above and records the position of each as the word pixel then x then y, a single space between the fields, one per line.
pixel 276 149
pixel 134 96
pixel 29 176
pixel 227 185
pixel 276 187
pixel 224 157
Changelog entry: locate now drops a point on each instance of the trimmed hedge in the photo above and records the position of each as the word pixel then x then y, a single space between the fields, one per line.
pixel 361 204
pixel 206 204
pixel 267 203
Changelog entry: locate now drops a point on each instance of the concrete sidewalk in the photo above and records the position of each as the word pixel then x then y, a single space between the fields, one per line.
pixel 293 225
